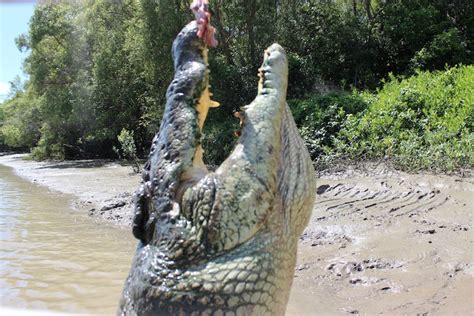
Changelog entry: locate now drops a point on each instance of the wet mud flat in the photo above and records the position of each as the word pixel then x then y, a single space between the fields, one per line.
pixel 386 242
pixel 102 188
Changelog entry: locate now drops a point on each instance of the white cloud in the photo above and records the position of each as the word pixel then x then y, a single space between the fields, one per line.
pixel 4 88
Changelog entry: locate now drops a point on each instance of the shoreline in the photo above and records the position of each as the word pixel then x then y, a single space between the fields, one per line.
pixel 101 188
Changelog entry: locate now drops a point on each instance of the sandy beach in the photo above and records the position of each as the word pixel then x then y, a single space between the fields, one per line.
pixel 379 241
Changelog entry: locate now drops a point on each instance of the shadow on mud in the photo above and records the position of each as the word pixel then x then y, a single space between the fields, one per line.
pixel 76 164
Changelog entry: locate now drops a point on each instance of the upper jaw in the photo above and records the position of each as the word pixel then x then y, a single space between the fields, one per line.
pixel 274 71
pixel 174 146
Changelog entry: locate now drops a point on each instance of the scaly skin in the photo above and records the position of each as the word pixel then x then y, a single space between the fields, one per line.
pixel 221 243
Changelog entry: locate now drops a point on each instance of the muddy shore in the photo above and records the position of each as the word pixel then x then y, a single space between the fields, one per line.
pixel 101 188
pixel 379 241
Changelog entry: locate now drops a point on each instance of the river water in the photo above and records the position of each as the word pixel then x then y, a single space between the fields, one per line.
pixel 54 258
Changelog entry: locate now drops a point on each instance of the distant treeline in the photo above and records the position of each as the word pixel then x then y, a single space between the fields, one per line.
pixel 100 69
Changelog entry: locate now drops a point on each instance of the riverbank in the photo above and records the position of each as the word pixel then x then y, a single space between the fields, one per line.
pixel 102 188
pixel 379 240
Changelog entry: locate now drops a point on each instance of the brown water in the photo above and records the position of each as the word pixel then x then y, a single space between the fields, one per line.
pixel 54 258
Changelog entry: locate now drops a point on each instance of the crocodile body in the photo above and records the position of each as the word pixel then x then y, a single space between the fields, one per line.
pixel 220 243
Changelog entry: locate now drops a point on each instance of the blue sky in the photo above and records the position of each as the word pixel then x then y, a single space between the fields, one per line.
pixel 14 17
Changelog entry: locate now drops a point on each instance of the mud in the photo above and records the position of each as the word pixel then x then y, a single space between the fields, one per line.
pixel 102 188
pixel 387 242
pixel 379 241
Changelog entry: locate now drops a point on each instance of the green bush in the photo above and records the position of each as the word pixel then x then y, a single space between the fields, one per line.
pixel 18 127
pixel 49 146
pixel 10 135
pixel 320 117
pixel 422 122
pixel 128 150
pixel 447 47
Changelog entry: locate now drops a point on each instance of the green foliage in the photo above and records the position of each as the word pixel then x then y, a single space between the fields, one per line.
pixel 423 34
pixel 423 122
pixel 50 145
pixel 18 121
pixel 446 48
pixel 319 117
pixel 128 150
pixel 327 46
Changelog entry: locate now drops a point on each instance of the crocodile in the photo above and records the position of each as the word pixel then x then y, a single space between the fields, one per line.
pixel 222 242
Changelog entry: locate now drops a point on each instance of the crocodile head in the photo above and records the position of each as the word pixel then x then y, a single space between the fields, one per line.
pixel 220 242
